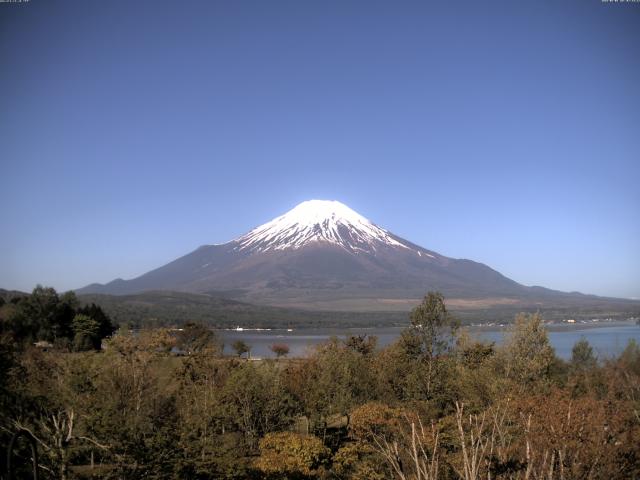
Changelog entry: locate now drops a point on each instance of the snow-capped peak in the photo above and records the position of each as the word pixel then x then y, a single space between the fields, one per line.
pixel 318 221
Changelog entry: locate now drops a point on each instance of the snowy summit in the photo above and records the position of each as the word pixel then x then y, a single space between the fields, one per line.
pixel 314 221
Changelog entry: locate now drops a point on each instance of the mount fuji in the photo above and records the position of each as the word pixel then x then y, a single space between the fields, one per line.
pixel 324 255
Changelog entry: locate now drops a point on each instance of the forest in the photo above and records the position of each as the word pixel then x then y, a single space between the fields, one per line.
pixel 101 402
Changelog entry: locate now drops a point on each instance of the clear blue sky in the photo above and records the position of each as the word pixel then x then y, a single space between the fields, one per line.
pixel 507 132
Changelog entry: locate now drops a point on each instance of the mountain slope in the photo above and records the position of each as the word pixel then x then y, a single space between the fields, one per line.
pixel 322 254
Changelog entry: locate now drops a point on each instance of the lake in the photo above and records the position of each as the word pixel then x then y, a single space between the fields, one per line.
pixel 606 340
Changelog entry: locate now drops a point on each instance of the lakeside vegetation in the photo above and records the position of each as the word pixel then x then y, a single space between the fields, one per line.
pixel 436 404
pixel 221 310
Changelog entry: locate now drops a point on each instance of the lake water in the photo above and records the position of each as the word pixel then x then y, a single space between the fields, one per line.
pixel 606 341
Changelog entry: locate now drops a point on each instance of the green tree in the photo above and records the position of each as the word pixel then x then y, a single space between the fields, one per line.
pixel 106 326
pixel 257 400
pixel 431 335
pixel 473 378
pixel 433 326
pixel 37 316
pixel 582 357
pixel 86 332
pixel 583 368
pixel 210 445
pixel 66 309
pixel 241 347
pixel 528 355
pixel 45 315
pixel 138 417
pixel 63 394
pixel 332 382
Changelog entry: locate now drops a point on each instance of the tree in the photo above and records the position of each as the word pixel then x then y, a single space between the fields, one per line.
pixel 359 461
pixel 138 415
pixel 409 448
pixel 583 368
pixel 59 436
pixel 60 393
pixel 331 383
pixel 45 315
pixel 257 400
pixel 198 338
pixel 433 325
pixel 280 349
pixel 210 447
pixel 106 326
pixel 66 309
pixel 431 334
pixel 86 333
pixel 630 357
pixel 529 355
pixel 287 453
pixel 39 317
pixel 241 347
pixel 623 376
pixel 471 352
pixel 364 344
pixel 473 377
pixel 582 357
pixel 563 438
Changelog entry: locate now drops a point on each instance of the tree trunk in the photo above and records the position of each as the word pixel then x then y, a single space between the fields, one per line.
pixel 63 469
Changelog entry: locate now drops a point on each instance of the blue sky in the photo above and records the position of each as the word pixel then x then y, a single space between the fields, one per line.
pixel 505 132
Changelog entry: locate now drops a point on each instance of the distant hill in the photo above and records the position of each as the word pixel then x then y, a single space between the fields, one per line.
pixel 7 295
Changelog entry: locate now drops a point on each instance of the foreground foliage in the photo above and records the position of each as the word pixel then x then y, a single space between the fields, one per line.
pixel 435 405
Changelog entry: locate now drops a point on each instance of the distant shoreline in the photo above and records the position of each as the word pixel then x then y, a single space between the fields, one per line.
pixel 558 326
pixel 551 327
